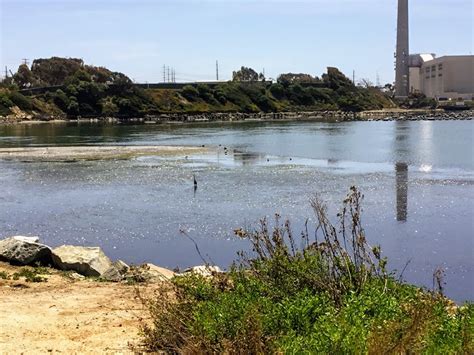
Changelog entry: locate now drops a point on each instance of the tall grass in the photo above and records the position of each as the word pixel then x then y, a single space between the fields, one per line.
pixel 328 292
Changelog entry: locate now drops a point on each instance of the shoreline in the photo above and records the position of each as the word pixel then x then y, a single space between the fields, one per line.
pixel 235 117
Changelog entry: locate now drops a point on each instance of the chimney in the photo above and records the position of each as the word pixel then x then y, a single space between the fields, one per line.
pixel 402 69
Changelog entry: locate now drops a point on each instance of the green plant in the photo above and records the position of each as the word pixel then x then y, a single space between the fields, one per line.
pixel 32 274
pixel 4 275
pixel 330 294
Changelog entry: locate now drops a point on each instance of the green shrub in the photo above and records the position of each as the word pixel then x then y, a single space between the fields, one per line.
pixel 189 92
pixel 32 274
pixel 21 101
pixel 315 299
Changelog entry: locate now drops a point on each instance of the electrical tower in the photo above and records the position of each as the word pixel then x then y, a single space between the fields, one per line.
pixel 217 70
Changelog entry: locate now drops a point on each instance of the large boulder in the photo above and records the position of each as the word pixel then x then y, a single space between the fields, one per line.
pixel 24 251
pixel 87 261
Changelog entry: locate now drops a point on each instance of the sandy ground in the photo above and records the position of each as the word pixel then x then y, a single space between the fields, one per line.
pixel 75 153
pixel 65 316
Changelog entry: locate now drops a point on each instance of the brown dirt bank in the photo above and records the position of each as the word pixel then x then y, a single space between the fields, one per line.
pixel 68 316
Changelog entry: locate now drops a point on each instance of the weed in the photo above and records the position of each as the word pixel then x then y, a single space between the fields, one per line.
pixel 331 295
pixel 32 274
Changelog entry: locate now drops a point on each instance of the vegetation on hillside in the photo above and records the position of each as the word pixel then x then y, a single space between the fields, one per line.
pixel 71 89
pixel 327 294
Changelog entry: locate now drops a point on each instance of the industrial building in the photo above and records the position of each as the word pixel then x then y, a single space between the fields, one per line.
pixel 444 78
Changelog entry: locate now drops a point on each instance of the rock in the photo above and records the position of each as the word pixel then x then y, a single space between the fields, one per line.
pixel 116 272
pixel 203 270
pixel 159 273
pixel 87 261
pixel 112 274
pixel 24 251
pixel 149 273
pixel 26 239
pixel 76 276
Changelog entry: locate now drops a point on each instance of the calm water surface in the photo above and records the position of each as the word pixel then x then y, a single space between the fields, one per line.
pixel 417 178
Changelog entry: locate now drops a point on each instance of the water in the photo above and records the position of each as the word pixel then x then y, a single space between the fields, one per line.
pixel 417 178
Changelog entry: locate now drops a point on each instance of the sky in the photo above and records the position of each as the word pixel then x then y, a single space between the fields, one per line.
pixel 138 37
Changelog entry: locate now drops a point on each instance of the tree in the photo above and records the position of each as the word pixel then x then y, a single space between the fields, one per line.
pixel 24 78
pixel 334 79
pixel 245 74
pixel 366 83
pixel 292 78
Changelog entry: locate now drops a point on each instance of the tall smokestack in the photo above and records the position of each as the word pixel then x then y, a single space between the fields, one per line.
pixel 402 70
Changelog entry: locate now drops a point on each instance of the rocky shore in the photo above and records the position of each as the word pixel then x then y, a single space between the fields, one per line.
pixel 332 116
pixel 86 261
pixel 74 299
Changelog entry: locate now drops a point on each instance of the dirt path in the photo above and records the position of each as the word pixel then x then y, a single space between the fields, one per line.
pixel 64 316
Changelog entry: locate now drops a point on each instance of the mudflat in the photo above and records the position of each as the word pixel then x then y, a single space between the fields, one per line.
pixel 77 153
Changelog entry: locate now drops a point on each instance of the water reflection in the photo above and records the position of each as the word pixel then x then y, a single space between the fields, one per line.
pixel 246 158
pixel 401 171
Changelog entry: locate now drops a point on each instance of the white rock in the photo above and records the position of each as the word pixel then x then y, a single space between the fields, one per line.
pixel 87 261
pixel 203 270
pixel 26 239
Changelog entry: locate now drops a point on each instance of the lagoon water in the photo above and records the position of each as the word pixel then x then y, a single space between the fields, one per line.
pixel 417 178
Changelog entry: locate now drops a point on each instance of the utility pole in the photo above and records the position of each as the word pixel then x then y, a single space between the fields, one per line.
pixel 354 77
pixel 217 70
pixel 168 74
pixel 377 80
pixel 26 61
pixel 164 73
pixel 6 72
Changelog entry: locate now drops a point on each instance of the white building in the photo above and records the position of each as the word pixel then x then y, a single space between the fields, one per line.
pixel 443 78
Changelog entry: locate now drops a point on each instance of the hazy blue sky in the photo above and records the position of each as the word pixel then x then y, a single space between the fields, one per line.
pixel 138 36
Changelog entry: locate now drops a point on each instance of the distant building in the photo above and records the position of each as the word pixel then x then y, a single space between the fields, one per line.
pixel 448 77
pixel 443 78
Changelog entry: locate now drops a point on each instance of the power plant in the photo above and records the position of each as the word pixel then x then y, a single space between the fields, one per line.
pixel 444 78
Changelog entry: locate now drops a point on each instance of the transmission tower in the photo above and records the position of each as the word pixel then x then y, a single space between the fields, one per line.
pixel 217 70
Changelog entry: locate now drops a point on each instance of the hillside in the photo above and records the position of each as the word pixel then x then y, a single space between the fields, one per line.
pixel 70 89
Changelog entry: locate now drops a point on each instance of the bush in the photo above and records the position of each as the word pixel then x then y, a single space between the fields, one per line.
pixel 278 91
pixel 190 93
pixel 61 100
pixel 21 101
pixel 319 298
